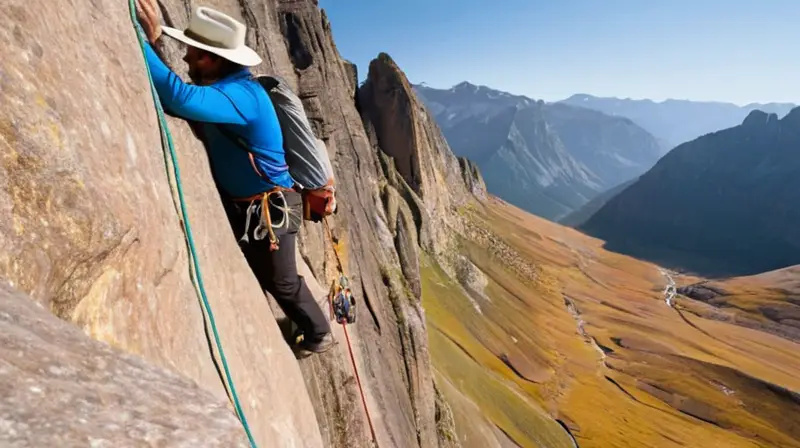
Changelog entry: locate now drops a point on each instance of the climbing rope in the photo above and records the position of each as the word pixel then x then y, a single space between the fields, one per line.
pixel 340 268
pixel 339 264
pixel 197 278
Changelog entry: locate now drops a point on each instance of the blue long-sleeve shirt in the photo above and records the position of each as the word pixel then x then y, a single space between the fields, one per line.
pixel 239 103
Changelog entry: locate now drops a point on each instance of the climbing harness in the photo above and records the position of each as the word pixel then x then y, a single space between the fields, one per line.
pixel 259 205
pixel 197 279
pixel 341 293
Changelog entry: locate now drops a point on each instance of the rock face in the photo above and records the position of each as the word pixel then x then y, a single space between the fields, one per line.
pixel 62 388
pixel 92 229
pixel 405 132
pixel 549 159
pixel 716 206
pixel 473 177
pixel 379 230
pixel 676 121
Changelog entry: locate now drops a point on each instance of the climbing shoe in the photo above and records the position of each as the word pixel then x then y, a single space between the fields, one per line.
pixel 308 347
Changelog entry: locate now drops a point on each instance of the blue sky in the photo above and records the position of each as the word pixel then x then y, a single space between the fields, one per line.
pixel 736 50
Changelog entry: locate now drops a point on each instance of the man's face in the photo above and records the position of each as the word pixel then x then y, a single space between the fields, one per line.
pixel 202 66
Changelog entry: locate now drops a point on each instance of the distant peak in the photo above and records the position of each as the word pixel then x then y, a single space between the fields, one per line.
pixel 581 97
pixel 759 118
pixel 464 85
pixel 385 58
pixel 772 104
pixel 484 91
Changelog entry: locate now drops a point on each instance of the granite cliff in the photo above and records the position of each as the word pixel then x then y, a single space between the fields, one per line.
pixel 48 363
pixel 92 232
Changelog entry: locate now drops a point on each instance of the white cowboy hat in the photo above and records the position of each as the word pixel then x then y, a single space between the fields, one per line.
pixel 216 33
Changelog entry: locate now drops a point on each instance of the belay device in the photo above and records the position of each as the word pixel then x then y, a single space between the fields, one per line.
pixel 343 301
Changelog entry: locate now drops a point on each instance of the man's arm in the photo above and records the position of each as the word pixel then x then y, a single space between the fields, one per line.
pixel 198 103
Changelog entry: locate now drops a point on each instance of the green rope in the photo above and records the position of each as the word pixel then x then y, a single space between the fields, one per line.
pixel 197 278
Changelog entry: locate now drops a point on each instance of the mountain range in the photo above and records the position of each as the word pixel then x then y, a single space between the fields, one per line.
pixel 723 204
pixel 548 159
pixel 676 121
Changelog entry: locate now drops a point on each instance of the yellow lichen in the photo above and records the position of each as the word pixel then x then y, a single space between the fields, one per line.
pixel 93 313
pixel 19 228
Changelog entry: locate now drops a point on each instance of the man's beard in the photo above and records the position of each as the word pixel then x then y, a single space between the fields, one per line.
pixel 194 75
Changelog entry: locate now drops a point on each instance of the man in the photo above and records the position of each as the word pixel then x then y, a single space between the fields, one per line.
pixel 225 103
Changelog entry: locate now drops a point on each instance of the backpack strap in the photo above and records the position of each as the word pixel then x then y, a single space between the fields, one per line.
pixel 241 144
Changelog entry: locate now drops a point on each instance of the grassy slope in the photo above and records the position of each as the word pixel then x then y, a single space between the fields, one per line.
pixel 666 380
pixel 470 367
pixel 771 298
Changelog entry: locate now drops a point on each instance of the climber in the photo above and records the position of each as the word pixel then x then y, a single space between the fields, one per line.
pixel 225 100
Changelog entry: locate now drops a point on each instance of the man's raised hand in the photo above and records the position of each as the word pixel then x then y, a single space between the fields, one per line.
pixel 150 18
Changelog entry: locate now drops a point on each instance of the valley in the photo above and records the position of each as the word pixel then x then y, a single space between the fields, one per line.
pixel 589 338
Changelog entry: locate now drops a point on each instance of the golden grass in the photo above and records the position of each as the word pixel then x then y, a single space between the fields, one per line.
pixel 477 373
pixel 664 367
pixel 748 296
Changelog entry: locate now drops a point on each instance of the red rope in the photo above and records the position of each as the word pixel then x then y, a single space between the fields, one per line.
pixel 358 381
pixel 331 296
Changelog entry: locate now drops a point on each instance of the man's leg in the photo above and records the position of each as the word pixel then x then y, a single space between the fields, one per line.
pixel 279 270
pixel 277 274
